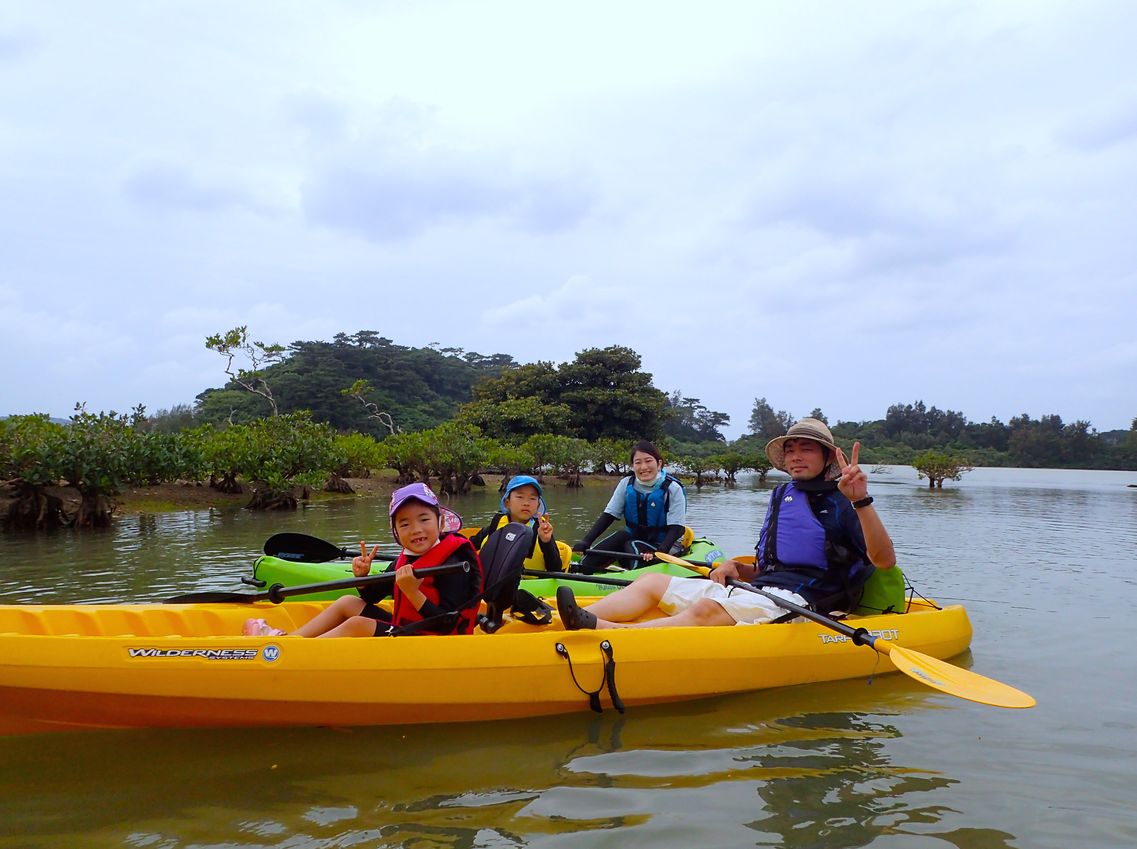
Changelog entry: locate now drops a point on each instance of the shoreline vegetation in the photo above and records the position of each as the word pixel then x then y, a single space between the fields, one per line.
pixel 184 495
pixel 314 419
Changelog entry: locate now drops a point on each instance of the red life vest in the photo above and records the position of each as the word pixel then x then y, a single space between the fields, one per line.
pixel 403 612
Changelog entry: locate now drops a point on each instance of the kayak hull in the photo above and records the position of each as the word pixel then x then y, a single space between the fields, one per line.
pixel 136 666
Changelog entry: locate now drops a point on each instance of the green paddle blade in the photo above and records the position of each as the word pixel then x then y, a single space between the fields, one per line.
pixel 953 680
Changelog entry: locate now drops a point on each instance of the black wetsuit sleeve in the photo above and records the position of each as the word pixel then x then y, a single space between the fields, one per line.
pixel 375 593
pixel 598 527
pixel 552 554
pixel 479 539
pixel 674 532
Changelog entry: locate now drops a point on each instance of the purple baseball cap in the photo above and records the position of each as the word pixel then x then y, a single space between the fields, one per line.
pixel 450 520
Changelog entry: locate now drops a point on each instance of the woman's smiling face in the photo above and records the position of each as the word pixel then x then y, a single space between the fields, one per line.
pixel 645 466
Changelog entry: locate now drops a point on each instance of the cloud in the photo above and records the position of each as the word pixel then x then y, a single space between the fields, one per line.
pixel 1108 125
pixel 16 46
pixel 392 200
pixel 175 187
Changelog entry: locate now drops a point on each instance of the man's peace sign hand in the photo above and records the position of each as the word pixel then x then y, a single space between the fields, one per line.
pixel 853 483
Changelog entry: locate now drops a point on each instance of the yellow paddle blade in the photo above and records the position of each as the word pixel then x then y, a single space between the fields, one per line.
pixel 953 680
pixel 927 670
pixel 675 561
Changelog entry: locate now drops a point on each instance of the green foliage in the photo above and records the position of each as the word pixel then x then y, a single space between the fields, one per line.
pixel 174 420
pixel 938 467
pixel 276 453
pixel 31 450
pixel 100 452
pixel 742 459
pixel 236 343
pixel 602 394
pixel 516 417
pixel 455 453
pixel 612 456
pixel 406 453
pixel 357 455
pixel 765 423
pixel 752 449
pixel 687 420
pixel 566 456
pixel 702 467
pixel 156 457
pixel 911 429
pixel 509 460
pixel 417 388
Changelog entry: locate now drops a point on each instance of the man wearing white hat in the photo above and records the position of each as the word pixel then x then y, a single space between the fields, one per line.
pixel 818 545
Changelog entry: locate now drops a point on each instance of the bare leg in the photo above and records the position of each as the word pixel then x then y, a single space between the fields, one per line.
pixel 356 626
pixel 633 601
pixel 703 612
pixel 332 616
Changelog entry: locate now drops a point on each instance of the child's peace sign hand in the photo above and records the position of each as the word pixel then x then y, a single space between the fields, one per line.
pixel 544 528
pixel 361 565
pixel 853 483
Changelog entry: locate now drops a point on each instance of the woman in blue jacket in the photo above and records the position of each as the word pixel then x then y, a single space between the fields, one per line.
pixel 653 506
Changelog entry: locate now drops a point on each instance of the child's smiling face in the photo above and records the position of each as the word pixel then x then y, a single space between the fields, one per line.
pixel 523 503
pixel 417 527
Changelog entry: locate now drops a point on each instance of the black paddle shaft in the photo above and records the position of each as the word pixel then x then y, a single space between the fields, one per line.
pixel 577 576
pixel 859 636
pixel 278 592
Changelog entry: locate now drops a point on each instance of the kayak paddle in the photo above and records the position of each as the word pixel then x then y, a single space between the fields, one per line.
pixel 624 555
pixel 927 670
pixel 278 592
pixel 576 576
pixel 302 548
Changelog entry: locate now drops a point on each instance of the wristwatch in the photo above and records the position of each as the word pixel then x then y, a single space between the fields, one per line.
pixel 862 502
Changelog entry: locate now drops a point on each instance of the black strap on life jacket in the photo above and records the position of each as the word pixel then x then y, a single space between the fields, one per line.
pixel 530 609
pixel 772 525
pixel 480 537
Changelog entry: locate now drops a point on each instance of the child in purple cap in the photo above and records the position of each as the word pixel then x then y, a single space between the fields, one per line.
pixel 443 604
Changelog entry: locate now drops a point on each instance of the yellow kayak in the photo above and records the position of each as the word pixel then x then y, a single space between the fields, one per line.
pixel 136 666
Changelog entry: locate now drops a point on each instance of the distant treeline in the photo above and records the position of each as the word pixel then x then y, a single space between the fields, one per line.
pixel 316 413
pixel 603 393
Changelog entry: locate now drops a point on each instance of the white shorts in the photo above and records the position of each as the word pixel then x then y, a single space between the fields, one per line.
pixel 745 607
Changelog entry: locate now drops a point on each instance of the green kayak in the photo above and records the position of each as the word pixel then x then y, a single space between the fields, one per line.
pixel 275 570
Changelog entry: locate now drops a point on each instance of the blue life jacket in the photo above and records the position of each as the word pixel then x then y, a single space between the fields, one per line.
pixel 800 552
pixel 645 513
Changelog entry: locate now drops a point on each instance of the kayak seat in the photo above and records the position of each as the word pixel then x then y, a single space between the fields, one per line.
pixel 503 558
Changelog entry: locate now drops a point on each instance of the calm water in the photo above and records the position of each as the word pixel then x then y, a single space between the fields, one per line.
pixel 1043 560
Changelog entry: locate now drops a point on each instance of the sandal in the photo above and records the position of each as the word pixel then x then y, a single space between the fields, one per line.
pixel 573 616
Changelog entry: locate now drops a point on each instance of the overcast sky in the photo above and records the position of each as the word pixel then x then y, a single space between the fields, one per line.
pixel 830 205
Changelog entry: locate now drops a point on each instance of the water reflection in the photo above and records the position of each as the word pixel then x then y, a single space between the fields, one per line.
pixel 1044 562
pixel 808 766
